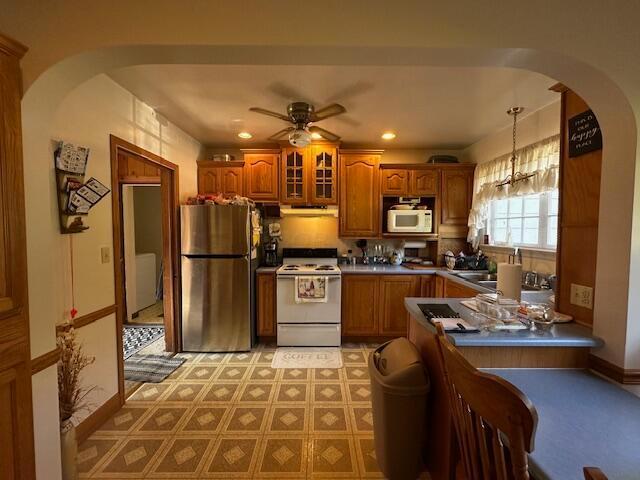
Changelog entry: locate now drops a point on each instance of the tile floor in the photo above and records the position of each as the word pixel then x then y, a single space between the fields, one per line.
pixel 232 416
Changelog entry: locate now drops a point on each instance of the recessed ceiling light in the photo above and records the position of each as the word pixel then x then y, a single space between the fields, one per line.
pixel 245 135
pixel 316 136
pixel 388 136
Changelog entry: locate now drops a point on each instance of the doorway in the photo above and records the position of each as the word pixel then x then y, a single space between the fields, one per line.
pixel 145 209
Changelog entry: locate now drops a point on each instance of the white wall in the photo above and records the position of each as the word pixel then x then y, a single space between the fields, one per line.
pixel 147 205
pixel 129 244
pixel 532 127
pixel 87 116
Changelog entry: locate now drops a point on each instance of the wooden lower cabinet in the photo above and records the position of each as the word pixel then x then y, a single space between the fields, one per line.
pixel 373 305
pixel 393 314
pixel 266 304
pixel 360 310
pixel 455 290
pixel 427 285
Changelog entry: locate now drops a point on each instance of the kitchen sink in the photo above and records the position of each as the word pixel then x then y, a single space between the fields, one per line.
pixel 477 276
pixel 489 280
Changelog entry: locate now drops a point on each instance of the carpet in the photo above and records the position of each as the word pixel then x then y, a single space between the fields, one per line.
pixel 307 357
pixel 150 368
pixel 137 337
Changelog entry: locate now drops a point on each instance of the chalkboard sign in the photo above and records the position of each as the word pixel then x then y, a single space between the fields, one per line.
pixel 584 134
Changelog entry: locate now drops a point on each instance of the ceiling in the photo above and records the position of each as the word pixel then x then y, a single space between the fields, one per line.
pixel 427 107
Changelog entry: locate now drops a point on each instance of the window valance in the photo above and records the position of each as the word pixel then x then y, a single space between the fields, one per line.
pixel 541 158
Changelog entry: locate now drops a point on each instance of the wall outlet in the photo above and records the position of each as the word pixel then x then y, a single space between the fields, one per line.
pixel 105 254
pixel 582 296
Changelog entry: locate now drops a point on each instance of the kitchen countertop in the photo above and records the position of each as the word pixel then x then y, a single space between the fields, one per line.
pixel 561 335
pixel 266 269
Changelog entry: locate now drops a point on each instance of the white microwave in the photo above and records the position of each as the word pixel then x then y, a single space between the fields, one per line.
pixel 409 221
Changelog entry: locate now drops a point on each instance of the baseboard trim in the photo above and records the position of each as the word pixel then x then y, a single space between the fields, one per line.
pixel 91 423
pixel 619 374
pixel 45 360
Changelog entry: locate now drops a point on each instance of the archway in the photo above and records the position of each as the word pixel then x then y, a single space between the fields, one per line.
pixel 612 299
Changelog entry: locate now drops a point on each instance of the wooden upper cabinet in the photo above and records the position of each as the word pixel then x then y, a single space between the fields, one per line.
pixel 457 192
pixel 261 173
pixel 359 194
pixel 323 186
pixel 359 310
pixel 208 180
pixel 231 180
pixel 409 181
pixel 220 177
pixel 294 176
pixel 394 181
pixel 394 289
pixel 423 182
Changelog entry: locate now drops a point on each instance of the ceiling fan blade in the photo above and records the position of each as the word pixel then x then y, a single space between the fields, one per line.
pixel 326 134
pixel 279 135
pixel 328 111
pixel 270 113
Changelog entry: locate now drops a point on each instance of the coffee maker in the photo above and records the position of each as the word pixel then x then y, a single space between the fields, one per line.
pixel 271 246
pixel 271 253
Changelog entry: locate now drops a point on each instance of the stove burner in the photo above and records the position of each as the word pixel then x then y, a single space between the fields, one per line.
pixel 325 267
pixel 291 267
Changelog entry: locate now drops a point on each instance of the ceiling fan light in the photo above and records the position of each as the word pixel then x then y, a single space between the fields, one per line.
pixel 300 137
pixel 245 135
pixel 388 136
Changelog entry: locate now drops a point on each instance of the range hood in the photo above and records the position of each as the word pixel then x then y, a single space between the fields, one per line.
pixel 309 211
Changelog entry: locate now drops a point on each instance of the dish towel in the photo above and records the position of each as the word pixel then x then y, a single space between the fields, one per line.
pixel 311 289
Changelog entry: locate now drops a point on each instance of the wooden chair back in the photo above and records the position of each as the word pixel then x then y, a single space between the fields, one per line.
pixel 494 422
pixel 593 473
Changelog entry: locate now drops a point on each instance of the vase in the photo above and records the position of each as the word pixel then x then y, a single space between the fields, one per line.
pixel 69 450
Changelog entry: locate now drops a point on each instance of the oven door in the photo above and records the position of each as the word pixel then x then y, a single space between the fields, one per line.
pixel 288 311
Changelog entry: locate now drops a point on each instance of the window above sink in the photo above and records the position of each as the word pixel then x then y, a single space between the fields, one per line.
pixel 525 221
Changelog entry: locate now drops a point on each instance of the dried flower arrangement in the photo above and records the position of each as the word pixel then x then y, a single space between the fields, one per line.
pixel 71 393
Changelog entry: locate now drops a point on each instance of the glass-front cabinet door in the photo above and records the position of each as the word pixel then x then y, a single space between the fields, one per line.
pixel 324 176
pixel 293 176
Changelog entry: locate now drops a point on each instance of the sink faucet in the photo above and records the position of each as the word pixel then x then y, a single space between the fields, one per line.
pixel 517 253
pixel 531 279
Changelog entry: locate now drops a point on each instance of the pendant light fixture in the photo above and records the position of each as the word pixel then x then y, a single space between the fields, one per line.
pixel 515 177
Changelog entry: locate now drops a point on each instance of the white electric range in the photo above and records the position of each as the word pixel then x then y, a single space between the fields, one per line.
pixel 308 324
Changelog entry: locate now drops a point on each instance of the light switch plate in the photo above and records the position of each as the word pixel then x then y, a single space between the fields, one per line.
pixel 105 254
pixel 582 296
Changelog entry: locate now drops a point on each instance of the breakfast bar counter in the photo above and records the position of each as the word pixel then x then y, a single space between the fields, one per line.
pixel 583 420
pixel 565 346
pixel 561 335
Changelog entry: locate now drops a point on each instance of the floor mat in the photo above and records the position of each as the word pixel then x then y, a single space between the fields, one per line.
pixel 137 337
pixel 307 357
pixel 150 368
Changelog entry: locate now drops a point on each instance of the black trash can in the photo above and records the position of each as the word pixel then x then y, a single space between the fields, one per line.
pixel 399 389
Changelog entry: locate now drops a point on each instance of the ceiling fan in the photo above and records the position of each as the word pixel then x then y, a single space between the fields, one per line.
pixel 301 115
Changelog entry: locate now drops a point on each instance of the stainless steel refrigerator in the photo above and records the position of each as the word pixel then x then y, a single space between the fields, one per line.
pixel 217 278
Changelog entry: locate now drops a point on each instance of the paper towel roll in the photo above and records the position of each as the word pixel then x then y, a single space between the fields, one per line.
pixel 510 280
